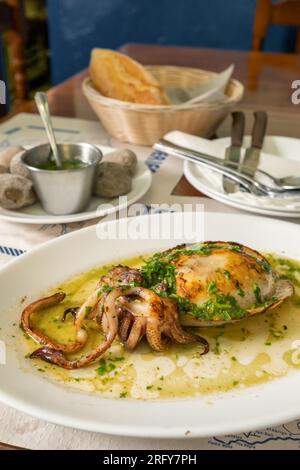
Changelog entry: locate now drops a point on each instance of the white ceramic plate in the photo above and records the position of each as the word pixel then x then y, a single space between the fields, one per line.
pixel 284 147
pixel 35 214
pixel 33 273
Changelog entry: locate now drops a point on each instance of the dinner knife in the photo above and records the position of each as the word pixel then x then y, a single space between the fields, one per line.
pixel 251 159
pixel 233 153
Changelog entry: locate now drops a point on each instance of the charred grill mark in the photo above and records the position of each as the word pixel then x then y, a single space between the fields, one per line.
pixel 72 311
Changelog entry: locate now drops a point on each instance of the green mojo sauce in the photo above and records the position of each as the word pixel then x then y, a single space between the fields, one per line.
pixel 66 165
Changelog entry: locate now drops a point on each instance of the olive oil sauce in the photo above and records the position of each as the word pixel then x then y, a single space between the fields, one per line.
pixel 242 354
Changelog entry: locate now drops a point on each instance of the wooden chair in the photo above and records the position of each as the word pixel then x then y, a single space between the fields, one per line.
pixel 12 27
pixel 285 12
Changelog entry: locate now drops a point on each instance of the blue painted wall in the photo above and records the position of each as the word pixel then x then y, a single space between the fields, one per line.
pixel 76 26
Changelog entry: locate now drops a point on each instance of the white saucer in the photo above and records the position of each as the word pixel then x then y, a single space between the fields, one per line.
pixel 98 207
pixel 284 147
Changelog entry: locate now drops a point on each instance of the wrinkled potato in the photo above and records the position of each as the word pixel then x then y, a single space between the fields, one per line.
pixel 17 166
pixel 7 155
pixel 16 192
pixel 125 157
pixel 112 180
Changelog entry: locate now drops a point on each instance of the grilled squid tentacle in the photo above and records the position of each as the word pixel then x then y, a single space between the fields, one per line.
pixel 156 339
pixel 57 357
pixel 131 312
pixel 136 333
pixel 153 317
pixel 40 337
pixel 153 300
pixel 87 307
pixel 174 330
pixel 184 337
pixel 69 311
pixel 126 320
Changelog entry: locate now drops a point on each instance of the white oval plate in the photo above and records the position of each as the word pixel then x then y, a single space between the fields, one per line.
pixel 35 214
pixel 285 147
pixel 46 266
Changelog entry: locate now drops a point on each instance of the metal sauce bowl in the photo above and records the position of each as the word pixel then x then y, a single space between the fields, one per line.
pixel 63 192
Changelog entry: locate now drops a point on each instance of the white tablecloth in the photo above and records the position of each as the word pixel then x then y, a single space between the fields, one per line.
pixel 22 430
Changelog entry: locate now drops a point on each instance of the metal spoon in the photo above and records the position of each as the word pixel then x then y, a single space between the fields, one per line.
pixel 286 181
pixel 43 107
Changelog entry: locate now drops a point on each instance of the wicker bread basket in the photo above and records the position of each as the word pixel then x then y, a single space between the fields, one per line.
pixel 146 124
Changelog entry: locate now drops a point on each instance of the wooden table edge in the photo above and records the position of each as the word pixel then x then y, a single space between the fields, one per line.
pixel 10 447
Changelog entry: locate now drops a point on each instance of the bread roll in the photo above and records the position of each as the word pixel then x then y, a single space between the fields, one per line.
pixel 117 76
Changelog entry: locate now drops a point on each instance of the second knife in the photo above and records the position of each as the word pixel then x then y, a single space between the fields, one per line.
pixel 252 155
pixel 233 153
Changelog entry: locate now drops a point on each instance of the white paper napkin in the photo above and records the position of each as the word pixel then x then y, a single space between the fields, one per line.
pixel 211 91
pixel 273 164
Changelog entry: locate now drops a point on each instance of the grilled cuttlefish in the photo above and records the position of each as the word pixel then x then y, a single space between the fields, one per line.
pixel 216 282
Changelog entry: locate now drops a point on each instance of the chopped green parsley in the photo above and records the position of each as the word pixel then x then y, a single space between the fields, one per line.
pixel 257 293
pixel 105 367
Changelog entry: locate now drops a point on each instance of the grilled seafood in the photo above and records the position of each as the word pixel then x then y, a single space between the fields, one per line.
pixel 206 284
pixel 220 282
